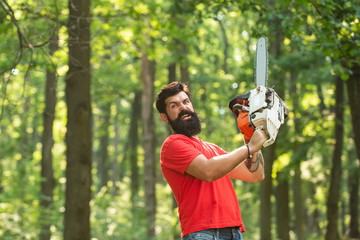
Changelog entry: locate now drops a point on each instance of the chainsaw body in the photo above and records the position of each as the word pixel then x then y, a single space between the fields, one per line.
pixel 260 108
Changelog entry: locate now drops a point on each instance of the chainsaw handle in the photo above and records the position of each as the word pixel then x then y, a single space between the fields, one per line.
pixel 269 142
pixel 240 99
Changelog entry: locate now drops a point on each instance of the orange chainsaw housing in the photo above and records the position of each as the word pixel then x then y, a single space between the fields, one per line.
pixel 244 125
pixel 238 106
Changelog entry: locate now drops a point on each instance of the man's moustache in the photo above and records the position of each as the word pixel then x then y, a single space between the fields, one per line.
pixel 185 112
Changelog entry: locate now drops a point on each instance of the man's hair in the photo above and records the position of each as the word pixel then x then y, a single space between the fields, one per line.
pixel 169 91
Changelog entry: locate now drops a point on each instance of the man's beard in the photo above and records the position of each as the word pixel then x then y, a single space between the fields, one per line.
pixel 190 127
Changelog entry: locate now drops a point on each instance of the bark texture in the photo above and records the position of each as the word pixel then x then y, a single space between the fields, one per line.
pixel 47 171
pixel 147 77
pixel 79 133
pixel 332 231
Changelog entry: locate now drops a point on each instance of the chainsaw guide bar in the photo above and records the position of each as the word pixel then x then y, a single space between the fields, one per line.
pixel 261 62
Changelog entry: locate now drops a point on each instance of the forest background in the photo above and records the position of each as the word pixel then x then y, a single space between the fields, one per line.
pixel 80 138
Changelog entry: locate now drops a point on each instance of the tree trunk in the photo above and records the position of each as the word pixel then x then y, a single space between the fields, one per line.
pixel 282 207
pixel 147 77
pixel 336 171
pixel 353 91
pixel 103 168
pixel 342 217
pixel 184 66
pixel 79 133
pixel 47 172
pixel 299 225
pixel 265 193
pixel 182 49
pixel 354 202
pixel 298 201
pixel 22 177
pixel 115 163
pixel 321 97
pixel 226 46
pixel 313 223
pixel 172 72
pixel 134 142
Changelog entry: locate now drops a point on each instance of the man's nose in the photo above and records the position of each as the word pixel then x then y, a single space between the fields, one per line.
pixel 183 107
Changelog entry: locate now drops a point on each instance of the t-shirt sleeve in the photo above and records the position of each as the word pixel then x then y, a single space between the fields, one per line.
pixel 178 154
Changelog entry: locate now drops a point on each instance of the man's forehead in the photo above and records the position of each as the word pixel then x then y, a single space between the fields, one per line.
pixel 181 96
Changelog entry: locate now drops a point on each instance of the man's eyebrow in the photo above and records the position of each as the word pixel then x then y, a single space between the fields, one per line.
pixel 178 101
pixel 171 102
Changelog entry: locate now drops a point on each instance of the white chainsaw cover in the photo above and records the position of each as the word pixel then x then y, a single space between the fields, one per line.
pixel 267 111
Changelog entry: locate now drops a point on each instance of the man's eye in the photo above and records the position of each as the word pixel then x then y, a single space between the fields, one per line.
pixel 172 105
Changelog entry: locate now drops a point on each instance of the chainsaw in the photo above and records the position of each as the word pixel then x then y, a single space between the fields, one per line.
pixel 260 108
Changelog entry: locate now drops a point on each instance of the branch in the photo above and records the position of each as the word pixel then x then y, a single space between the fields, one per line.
pixel 20 35
pixel 49 17
pixel 10 12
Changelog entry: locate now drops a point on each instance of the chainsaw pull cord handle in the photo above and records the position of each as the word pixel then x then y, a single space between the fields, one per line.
pixel 249 154
pixel 248 161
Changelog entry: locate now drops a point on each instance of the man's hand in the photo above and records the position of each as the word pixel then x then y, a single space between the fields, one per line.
pixel 246 140
pixel 257 140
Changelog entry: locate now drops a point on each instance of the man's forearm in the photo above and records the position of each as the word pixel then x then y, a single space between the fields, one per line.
pixel 255 163
pixel 254 174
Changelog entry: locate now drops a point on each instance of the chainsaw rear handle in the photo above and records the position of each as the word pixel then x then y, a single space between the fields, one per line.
pixel 240 100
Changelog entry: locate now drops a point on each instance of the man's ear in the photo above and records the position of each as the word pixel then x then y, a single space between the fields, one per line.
pixel 164 118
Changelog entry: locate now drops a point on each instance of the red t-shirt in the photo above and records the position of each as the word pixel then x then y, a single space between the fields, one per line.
pixel 202 205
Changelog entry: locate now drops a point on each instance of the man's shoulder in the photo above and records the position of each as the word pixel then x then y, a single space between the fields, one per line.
pixel 178 150
pixel 179 140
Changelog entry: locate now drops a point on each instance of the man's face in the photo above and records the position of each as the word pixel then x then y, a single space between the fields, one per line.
pixel 181 116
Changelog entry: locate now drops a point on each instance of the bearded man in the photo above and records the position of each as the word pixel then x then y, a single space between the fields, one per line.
pixel 199 172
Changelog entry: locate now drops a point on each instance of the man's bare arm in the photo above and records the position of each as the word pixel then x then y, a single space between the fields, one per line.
pixel 209 170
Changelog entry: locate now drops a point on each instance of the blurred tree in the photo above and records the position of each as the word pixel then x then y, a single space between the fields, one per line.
pixel 47 171
pixel 103 165
pixel 147 77
pixel 148 70
pixel 79 134
pixel 282 207
pixel 332 232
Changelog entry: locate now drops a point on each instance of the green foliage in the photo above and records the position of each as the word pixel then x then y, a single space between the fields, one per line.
pixel 115 217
